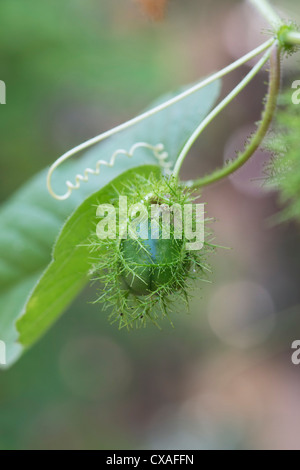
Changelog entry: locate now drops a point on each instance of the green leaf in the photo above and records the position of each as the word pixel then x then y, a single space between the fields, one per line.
pixel 68 272
pixel 31 219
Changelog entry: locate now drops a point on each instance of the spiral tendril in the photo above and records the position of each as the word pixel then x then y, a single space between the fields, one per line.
pixel 158 150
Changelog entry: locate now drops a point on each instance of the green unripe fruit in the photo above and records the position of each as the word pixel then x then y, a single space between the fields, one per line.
pixel 151 264
pixel 147 276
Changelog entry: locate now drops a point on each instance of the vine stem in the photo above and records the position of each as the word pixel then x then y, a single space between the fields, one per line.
pixel 257 138
pixel 217 110
pixel 292 38
pixel 250 55
pixel 289 37
pixel 268 12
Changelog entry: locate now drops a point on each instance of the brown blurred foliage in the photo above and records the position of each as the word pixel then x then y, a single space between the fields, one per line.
pixel 155 9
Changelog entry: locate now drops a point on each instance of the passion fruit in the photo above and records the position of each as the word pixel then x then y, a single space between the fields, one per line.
pixel 148 277
pixel 151 264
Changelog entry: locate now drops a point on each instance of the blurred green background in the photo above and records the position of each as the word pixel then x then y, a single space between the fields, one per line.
pixel 223 377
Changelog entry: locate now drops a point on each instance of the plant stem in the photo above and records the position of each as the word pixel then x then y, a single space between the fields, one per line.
pixel 292 38
pixel 257 138
pixel 285 33
pixel 217 110
pixel 268 13
pixel 263 47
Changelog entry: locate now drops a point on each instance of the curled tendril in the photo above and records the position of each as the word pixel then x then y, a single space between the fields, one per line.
pixel 158 150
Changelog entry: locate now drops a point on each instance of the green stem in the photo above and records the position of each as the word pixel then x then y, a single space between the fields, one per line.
pixel 286 34
pixel 242 60
pixel 257 138
pixel 268 12
pixel 216 111
pixel 292 38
